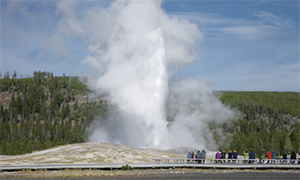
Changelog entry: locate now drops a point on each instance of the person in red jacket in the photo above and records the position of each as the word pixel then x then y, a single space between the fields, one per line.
pixel 269 156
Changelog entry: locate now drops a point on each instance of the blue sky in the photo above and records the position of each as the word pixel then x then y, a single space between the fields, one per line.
pixel 246 45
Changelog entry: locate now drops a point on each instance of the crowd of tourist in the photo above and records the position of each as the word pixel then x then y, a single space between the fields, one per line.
pixel 199 157
pixel 249 157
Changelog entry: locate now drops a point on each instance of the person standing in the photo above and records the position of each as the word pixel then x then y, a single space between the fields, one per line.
pixel 284 157
pixel 229 157
pixel 203 156
pixel 198 157
pixel 274 156
pixel 246 156
pixel 269 156
pixel 217 157
pixel 193 155
pixel 251 156
pixel 262 156
pixel 293 157
pixel 189 156
pixel 234 156
pixel 223 155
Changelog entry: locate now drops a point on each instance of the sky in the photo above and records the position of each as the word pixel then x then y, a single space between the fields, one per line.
pixel 245 45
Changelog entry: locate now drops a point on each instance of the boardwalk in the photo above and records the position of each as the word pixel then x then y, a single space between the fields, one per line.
pixel 151 166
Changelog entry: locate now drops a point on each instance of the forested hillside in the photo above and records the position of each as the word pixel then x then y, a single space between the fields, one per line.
pixel 44 111
pixel 268 120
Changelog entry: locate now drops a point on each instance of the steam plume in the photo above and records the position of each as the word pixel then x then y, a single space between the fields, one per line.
pixel 135 48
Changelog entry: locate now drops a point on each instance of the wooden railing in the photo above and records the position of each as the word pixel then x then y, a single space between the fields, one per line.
pixel 225 161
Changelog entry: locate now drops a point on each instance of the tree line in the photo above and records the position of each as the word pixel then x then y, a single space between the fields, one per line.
pixel 44 111
pixel 268 120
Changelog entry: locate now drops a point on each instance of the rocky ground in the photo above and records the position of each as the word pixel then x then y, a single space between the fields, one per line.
pixel 89 153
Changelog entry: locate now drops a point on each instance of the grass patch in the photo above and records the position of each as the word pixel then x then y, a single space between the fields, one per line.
pixel 126 167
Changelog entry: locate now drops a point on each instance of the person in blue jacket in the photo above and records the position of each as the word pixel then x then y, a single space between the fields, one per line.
pixel 251 156
pixel 284 156
pixel 203 156
pixel 274 156
pixel 189 156
pixel 234 156
pixel 198 157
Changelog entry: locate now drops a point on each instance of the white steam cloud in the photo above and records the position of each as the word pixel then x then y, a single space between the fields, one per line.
pixel 135 48
pixel 192 105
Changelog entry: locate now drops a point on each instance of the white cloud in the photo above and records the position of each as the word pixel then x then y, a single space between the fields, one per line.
pixel 33 37
pixel 248 54
pixel 69 22
pixel 275 20
pixel 267 26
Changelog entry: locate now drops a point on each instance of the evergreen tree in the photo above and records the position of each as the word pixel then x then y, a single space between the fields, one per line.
pixel 19 104
pixel 288 145
pixel 12 103
pixel 295 139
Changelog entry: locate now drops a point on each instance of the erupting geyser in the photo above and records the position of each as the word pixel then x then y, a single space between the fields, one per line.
pixel 135 48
